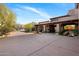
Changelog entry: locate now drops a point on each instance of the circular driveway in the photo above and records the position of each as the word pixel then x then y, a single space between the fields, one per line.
pixel 43 44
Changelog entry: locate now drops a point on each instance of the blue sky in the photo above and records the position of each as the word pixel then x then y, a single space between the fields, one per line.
pixel 37 12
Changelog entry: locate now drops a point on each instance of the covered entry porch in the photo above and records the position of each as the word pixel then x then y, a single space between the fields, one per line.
pixel 46 28
pixel 63 28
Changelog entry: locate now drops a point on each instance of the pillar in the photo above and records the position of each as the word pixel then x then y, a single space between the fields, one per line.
pixel 44 28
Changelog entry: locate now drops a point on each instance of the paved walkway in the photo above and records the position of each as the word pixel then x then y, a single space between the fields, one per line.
pixel 44 44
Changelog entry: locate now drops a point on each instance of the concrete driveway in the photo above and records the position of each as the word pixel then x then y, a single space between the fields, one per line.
pixel 43 44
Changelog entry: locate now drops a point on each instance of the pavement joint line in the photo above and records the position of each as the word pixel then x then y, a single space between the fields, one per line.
pixel 40 48
pixel 53 45
pixel 48 45
pixel 66 48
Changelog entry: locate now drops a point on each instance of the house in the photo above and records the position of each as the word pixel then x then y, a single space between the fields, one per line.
pixel 59 24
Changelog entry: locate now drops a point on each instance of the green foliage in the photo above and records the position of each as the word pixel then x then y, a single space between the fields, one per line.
pixel 29 27
pixel 7 20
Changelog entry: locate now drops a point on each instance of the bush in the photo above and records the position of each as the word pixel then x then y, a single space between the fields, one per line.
pixel 29 27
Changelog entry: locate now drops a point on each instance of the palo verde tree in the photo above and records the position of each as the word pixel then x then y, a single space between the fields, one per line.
pixel 29 27
pixel 7 20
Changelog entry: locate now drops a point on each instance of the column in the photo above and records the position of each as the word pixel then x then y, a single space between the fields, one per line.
pixel 44 28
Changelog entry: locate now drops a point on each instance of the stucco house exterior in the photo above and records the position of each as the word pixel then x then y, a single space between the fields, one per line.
pixel 58 24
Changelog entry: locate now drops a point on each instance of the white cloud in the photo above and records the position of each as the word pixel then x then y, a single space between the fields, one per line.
pixel 21 12
pixel 37 11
